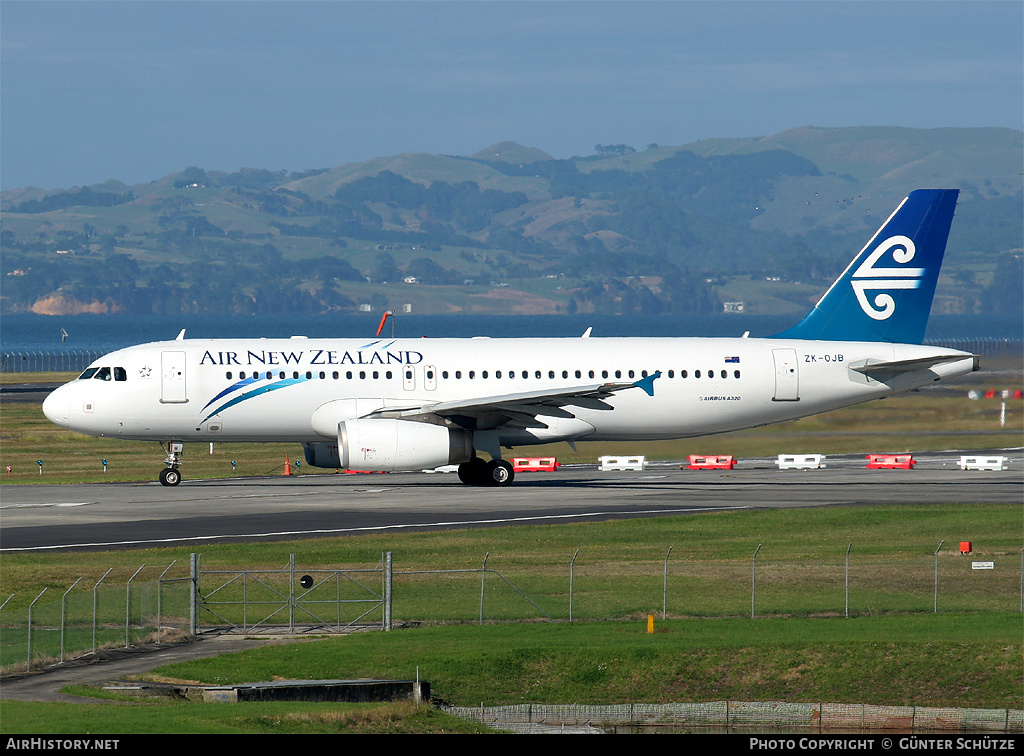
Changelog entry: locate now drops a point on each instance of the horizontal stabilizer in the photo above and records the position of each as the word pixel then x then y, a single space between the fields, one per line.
pixel 881 371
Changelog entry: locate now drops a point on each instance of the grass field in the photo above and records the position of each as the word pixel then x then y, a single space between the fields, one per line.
pixel 967 656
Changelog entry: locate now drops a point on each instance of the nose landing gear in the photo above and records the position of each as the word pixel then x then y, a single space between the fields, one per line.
pixel 170 475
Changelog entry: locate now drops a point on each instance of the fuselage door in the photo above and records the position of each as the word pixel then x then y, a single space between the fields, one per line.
pixel 172 378
pixel 408 377
pixel 429 377
pixel 787 379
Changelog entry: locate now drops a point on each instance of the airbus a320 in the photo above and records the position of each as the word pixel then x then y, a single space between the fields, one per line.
pixel 411 404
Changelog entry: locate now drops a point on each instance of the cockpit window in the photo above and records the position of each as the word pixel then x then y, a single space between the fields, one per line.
pixel 103 374
pixel 120 374
pixel 89 373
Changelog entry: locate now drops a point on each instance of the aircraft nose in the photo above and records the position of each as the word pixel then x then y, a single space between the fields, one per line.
pixel 56 407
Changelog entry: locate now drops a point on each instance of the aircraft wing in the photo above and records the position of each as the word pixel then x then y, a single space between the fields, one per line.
pixel 883 371
pixel 519 410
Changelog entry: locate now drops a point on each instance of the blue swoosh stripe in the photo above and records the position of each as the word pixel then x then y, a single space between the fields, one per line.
pixel 231 388
pixel 254 393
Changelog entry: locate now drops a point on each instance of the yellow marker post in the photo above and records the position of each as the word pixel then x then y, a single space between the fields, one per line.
pixel 650 623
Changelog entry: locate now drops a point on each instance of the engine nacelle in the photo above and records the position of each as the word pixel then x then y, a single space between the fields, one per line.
pixel 322 455
pixel 390 445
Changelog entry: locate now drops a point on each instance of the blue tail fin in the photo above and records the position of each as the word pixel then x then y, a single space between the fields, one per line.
pixel 886 292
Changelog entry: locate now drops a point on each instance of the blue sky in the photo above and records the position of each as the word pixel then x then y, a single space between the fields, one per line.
pixel 92 90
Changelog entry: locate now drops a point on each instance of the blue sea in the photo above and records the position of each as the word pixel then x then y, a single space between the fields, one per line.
pixel 23 332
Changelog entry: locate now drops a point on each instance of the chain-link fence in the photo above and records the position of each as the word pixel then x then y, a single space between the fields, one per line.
pixel 734 716
pixel 55 361
pixel 153 604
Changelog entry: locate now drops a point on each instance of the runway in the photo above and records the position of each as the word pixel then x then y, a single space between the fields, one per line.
pixel 134 515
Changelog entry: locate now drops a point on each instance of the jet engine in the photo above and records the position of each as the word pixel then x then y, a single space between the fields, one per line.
pixel 386 444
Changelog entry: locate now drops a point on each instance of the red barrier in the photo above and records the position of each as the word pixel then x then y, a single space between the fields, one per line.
pixel 713 462
pixel 891 461
pixel 534 464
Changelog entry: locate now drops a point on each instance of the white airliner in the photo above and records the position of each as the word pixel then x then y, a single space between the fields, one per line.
pixel 409 404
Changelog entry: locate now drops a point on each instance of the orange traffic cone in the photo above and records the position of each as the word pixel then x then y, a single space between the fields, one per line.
pixel 287 466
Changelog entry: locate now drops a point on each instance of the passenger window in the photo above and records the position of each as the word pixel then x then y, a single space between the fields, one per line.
pixel 696 374
pixel 736 374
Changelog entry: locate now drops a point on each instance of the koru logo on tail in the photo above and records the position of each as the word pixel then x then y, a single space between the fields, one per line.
pixel 886 279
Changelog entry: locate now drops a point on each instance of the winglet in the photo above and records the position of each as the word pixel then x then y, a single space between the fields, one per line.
pixel 647 384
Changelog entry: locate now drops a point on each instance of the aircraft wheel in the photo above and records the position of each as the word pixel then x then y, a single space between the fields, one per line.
pixel 474 472
pixel 169 476
pixel 500 473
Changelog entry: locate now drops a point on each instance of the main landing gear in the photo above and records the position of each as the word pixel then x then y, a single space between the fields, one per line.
pixel 170 475
pixel 479 472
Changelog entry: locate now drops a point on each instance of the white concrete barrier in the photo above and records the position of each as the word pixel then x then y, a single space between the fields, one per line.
pixel 622 463
pixel 800 461
pixel 983 463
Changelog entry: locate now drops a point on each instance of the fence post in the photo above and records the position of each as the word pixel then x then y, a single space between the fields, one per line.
pixel 572 570
pixel 753 581
pixel 159 597
pixel 483 577
pixel 95 606
pixel 30 607
pixel 936 607
pixel 291 593
pixel 388 573
pixel 193 603
pixel 63 615
pixel 850 546
pixel 128 606
pixel 664 586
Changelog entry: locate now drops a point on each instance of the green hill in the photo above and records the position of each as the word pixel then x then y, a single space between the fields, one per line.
pixel 510 229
